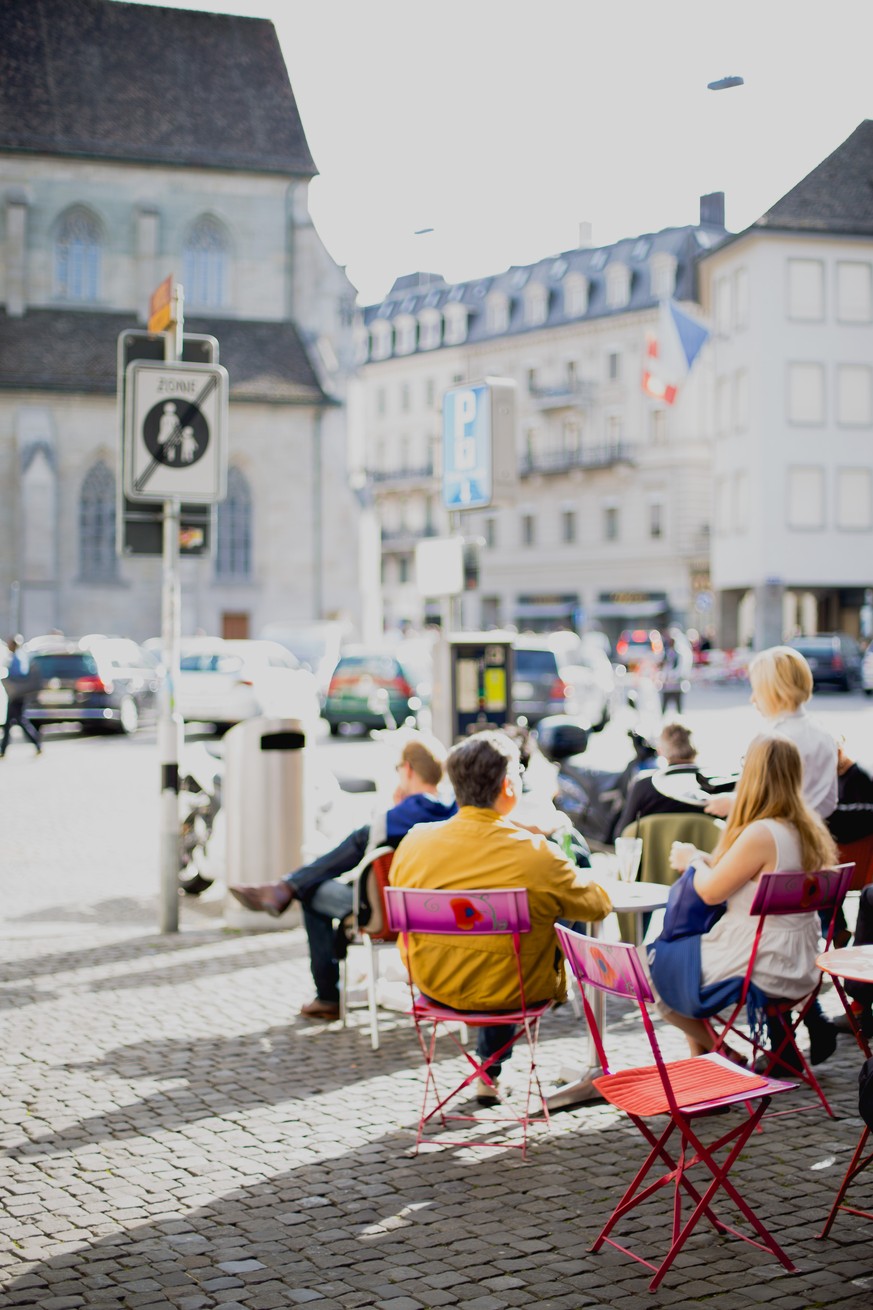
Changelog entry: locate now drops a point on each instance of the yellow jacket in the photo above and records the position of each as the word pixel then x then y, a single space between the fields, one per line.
pixel 478 850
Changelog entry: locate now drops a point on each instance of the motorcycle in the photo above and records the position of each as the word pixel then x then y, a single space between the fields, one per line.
pixel 592 799
pixel 200 808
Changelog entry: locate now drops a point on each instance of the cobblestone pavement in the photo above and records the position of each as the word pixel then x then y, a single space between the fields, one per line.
pixel 174 1136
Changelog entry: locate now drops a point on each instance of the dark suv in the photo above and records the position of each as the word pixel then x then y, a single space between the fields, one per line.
pixel 110 687
pixel 833 657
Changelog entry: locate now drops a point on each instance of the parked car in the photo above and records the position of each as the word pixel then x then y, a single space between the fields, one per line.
pixel 227 681
pixel 373 689
pixel 638 646
pixel 538 688
pixel 867 671
pixel 834 657
pixel 103 683
pixel 591 678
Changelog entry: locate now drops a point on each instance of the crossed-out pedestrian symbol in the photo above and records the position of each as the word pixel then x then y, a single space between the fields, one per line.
pixel 175 433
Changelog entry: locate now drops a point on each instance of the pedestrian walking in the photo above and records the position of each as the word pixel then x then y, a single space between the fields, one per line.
pixel 18 686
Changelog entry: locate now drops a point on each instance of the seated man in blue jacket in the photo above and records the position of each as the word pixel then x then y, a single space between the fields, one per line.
pixel 323 899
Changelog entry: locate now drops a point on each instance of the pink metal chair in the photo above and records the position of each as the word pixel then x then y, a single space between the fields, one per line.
pixel 683 1090
pixel 777 894
pixel 502 912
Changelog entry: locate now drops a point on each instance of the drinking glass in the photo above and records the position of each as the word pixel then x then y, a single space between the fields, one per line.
pixel 628 852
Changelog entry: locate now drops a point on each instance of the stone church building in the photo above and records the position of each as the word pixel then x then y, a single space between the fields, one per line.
pixel 136 142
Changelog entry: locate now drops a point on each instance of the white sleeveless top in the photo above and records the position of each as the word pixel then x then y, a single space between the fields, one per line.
pixel 785 965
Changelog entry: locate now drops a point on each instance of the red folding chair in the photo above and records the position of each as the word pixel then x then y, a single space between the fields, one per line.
pixel 502 912
pixel 683 1090
pixel 777 894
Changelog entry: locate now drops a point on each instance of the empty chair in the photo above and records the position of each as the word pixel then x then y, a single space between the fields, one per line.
pixel 683 1092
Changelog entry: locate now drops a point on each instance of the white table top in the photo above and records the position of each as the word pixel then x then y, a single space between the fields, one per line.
pixel 633 896
pixel 854 962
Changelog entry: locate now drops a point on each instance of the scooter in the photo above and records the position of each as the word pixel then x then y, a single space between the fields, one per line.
pixel 592 799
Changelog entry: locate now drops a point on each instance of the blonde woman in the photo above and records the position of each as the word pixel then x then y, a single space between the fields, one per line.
pixel 771 827
pixel 781 682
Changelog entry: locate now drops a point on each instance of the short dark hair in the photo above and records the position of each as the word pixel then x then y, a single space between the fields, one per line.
pixel 477 766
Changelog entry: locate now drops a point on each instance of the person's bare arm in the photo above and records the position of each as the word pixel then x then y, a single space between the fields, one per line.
pixel 752 853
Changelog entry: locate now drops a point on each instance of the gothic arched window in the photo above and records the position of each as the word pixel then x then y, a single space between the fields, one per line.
pixel 233 529
pixel 205 264
pixel 78 243
pixel 97 558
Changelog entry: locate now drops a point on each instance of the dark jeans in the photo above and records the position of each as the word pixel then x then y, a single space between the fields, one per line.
pixel 17 713
pixel 324 900
pixel 488 1039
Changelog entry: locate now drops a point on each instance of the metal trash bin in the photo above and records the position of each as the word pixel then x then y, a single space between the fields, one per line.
pixel 265 803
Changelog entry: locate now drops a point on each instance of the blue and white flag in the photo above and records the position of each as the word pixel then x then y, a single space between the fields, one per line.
pixel 671 351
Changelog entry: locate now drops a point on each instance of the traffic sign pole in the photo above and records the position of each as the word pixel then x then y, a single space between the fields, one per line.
pixel 170 726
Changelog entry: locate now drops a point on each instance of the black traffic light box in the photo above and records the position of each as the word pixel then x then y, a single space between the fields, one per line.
pixel 140 525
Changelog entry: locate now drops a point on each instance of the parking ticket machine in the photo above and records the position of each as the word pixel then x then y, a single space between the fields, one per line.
pixel 472 683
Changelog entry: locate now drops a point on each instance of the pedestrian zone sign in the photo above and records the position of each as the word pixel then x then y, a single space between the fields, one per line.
pixel 175 431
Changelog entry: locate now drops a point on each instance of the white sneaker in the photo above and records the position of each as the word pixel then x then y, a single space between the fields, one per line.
pixel 487 1093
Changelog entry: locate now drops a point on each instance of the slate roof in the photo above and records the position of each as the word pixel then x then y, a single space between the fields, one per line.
pixel 837 196
pixel 75 351
pixel 413 293
pixel 106 80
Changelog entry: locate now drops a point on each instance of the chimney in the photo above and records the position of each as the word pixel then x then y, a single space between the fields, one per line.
pixel 712 208
pixel 584 236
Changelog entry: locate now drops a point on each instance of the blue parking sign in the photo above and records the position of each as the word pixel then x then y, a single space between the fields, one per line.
pixel 467 455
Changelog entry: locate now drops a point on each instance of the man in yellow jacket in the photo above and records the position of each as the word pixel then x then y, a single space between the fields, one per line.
pixel 481 848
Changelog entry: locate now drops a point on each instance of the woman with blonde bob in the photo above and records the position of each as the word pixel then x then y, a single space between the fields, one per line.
pixel 771 827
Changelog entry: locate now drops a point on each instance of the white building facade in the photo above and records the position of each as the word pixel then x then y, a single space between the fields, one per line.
pixel 791 301
pixel 609 524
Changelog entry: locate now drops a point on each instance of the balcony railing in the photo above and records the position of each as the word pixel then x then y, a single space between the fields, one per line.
pixel 564 395
pixel 421 474
pixel 405 538
pixel 589 457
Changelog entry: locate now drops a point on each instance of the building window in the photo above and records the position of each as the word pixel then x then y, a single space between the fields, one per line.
pixel 659 426
pixel 97 559
pixel 429 330
pixel 233 529
pixel 662 275
pixel 497 313
pixel 741 299
pixel 78 243
pixel 805 497
pixel 528 530
pixel 403 569
pixel 741 501
pixel 491 533
pixel 610 523
pixel 568 526
pixel 613 430
pixel 854 499
pixel 380 402
pixel 854 296
pixel 618 283
pixel 656 519
pixel 723 306
pixel 806 393
pixel 456 325
pixel 205 264
pixel 405 329
pixel 741 400
pixel 536 304
pixel 613 365
pixel 575 296
pixel 380 339
pixel 806 290
pixel 490 612
pixel 404 397
pixel 854 395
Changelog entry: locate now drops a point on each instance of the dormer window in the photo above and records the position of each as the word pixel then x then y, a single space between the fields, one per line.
pixel 404 334
pixel 618 282
pixel 536 304
pixel 456 324
pixel 497 312
pixel 362 341
pixel 429 329
pixel 380 339
pixel 575 296
pixel 662 273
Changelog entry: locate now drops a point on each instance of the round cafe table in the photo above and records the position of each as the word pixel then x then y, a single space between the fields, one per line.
pixel 636 898
pixel 850 964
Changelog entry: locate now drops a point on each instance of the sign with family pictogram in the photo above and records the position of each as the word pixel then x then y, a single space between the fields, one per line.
pixel 175 426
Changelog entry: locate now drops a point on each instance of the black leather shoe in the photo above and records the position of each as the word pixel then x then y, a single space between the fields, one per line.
pixel 822 1040
pixel 864 1021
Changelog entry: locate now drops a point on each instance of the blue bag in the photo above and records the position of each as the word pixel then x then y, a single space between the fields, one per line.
pixel 686 914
